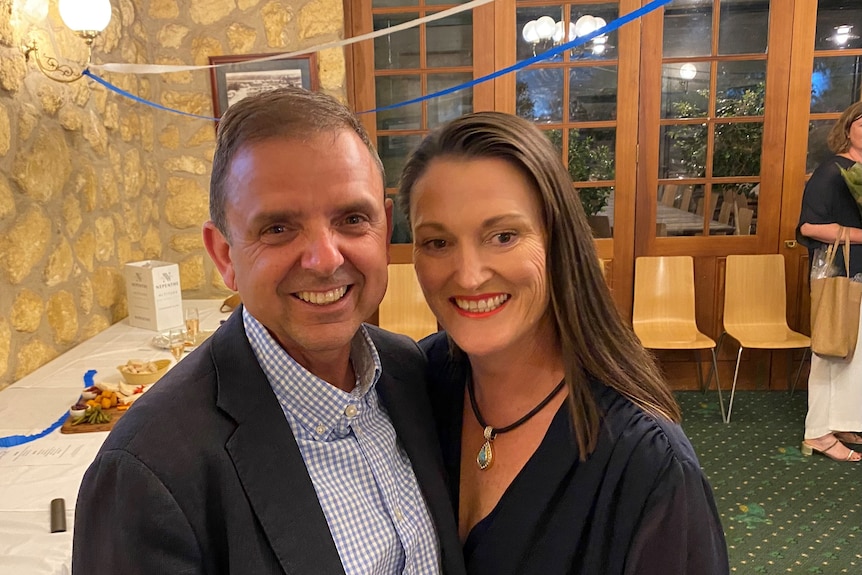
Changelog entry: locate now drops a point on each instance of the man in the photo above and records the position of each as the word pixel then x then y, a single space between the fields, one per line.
pixel 272 448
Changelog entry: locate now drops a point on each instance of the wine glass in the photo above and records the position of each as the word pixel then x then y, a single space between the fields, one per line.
pixel 193 324
pixel 177 339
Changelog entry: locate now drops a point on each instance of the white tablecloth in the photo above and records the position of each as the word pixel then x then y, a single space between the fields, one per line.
pixel 35 473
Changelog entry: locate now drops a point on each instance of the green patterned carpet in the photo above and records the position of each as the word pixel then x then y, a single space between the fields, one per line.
pixel 782 512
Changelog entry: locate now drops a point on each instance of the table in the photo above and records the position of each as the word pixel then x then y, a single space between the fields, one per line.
pixel 35 473
pixel 677 222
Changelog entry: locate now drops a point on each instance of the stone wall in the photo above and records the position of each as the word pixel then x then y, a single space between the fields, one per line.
pixel 90 180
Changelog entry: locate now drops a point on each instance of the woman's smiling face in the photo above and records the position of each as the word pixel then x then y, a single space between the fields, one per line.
pixel 479 252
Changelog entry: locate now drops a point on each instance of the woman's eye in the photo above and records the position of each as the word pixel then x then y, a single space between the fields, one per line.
pixel 504 238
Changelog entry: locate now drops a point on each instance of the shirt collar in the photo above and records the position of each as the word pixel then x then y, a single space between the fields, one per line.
pixel 317 405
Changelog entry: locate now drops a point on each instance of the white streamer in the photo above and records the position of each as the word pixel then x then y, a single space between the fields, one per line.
pixel 165 68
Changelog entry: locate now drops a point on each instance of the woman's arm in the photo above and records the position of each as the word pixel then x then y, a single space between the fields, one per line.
pixel 828 233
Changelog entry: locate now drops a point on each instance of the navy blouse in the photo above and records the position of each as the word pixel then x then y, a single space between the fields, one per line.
pixel 640 504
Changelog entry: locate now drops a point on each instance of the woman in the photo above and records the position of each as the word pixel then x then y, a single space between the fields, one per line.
pixel 834 393
pixel 559 435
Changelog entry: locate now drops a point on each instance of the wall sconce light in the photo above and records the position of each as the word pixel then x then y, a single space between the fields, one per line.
pixel 545 31
pixel 687 72
pixel 87 19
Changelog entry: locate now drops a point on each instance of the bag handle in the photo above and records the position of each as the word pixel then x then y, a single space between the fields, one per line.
pixel 832 249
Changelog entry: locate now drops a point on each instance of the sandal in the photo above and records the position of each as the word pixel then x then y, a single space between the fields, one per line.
pixel 808 450
pixel 850 437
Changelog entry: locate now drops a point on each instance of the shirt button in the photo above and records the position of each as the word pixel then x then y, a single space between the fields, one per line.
pixel 320 430
pixel 350 411
pixel 398 515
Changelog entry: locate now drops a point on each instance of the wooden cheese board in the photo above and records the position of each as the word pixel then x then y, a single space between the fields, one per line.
pixel 90 427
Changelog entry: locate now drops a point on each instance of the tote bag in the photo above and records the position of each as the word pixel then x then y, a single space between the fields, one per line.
pixel 835 309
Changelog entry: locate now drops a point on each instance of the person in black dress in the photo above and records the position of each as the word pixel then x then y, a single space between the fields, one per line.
pixel 561 439
pixel 829 209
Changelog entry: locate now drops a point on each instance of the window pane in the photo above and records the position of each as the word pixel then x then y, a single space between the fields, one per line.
pixel 601 47
pixel 450 41
pixel 401 233
pixel 398 50
pixel 591 154
pixel 741 88
pixel 835 83
pixel 736 207
pixel 737 149
pixel 393 152
pixel 592 93
pixel 743 27
pixel 394 89
pixel 685 90
pixel 533 39
pixel 445 108
pixel 683 151
pixel 818 151
pixel 540 94
pixel 688 30
pixel 393 3
pixel 680 210
pixel 839 25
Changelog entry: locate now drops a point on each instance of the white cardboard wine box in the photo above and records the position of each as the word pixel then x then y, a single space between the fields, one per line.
pixel 154 295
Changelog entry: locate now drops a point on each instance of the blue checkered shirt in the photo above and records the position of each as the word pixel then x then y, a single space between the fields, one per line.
pixel 362 476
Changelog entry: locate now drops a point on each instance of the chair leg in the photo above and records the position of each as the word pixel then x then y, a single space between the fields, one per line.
pixel 733 388
pixel 805 353
pixel 696 354
pixel 714 367
pixel 718 384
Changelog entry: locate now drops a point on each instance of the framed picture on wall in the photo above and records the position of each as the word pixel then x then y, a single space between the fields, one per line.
pixel 235 77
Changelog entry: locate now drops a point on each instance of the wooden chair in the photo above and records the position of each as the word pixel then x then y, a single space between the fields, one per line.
pixel 668 196
pixel 755 310
pixel 742 220
pixel 403 309
pixel 663 313
pixel 685 203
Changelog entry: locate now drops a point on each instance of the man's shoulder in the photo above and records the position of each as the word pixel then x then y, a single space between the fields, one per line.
pixel 390 343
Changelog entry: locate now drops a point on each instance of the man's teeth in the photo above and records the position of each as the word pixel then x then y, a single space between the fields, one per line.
pixel 482 305
pixel 322 298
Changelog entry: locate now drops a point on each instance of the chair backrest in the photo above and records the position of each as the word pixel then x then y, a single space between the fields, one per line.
pixel 664 290
pixel 403 309
pixel 754 290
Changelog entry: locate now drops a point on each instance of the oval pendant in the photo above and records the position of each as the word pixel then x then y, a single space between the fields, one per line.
pixel 485 457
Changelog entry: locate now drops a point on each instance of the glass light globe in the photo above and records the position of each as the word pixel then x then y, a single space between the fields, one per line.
pixel 545 27
pixel 585 25
pixel 529 32
pixel 89 15
pixel 559 32
pixel 688 71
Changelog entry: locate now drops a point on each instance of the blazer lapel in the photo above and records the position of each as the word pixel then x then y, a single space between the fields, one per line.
pixel 267 459
pixel 408 408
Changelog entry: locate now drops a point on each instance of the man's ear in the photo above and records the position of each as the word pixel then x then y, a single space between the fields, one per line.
pixel 219 250
pixel 390 224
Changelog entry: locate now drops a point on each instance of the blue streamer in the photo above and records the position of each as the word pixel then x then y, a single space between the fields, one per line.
pixel 610 27
pixel 15 440
pixel 140 100
pixel 88 378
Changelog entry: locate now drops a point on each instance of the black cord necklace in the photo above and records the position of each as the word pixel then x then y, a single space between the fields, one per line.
pixel 485 457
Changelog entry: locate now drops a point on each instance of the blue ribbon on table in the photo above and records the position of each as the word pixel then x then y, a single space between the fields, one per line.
pixel 15 440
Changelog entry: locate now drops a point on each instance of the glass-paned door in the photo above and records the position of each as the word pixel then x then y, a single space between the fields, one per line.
pixel 417 62
pixel 713 97
pixel 572 96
